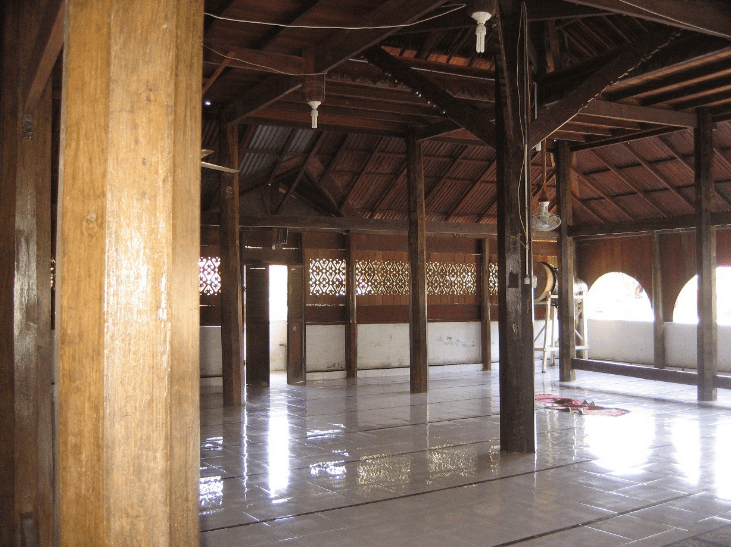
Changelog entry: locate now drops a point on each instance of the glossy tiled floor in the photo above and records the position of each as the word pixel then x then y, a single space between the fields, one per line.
pixel 366 463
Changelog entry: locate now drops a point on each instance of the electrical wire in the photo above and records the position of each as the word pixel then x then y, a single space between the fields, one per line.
pixel 663 16
pixel 323 27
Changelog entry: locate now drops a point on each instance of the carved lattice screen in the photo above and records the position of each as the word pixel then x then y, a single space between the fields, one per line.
pixel 209 278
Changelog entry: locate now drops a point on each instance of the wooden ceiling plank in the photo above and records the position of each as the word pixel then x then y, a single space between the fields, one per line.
pixel 659 177
pixel 580 97
pixel 713 17
pixel 386 195
pixel 689 167
pixel 586 208
pixel 461 112
pixel 445 174
pixel 585 180
pixel 271 35
pixel 47 46
pixel 629 182
pixel 465 197
pixel 437 129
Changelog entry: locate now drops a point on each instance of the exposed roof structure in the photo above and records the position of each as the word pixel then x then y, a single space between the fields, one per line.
pixel 620 80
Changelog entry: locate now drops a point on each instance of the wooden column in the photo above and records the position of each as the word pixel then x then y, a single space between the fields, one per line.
pixel 257 325
pixel 517 421
pixel 127 314
pixel 351 327
pixel 485 334
pixel 231 282
pixel 26 451
pixel 566 267
pixel 417 262
pixel 657 302
pixel 705 234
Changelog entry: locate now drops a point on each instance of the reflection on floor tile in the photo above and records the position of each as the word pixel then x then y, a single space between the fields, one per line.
pixel 343 462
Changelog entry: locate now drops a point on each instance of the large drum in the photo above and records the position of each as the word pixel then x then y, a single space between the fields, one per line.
pixel 546 281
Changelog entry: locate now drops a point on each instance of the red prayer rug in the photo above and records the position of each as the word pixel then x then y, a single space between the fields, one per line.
pixel 573 405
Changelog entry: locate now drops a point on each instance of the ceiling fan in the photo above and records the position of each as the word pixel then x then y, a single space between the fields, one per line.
pixel 205 153
pixel 544 221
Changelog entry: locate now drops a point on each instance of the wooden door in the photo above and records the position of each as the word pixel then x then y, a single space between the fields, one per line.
pixel 296 324
pixel 257 325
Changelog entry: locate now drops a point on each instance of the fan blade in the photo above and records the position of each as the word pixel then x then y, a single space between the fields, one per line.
pixel 205 152
pixel 218 167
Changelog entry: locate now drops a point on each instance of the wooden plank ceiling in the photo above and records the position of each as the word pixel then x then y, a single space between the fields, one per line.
pixel 620 79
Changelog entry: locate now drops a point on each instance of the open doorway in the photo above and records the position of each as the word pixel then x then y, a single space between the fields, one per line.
pixel 277 318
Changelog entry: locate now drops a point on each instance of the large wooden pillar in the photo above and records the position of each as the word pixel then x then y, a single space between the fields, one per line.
pixel 26 452
pixel 351 326
pixel 657 302
pixel 515 290
pixel 296 325
pixel 566 266
pixel 417 262
pixel 127 298
pixel 705 234
pixel 257 325
pixel 231 282
pixel 485 333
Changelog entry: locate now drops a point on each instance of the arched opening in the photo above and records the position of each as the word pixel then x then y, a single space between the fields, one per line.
pixel 686 305
pixel 618 296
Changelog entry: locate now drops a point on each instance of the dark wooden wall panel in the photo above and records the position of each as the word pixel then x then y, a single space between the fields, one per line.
pixel 631 256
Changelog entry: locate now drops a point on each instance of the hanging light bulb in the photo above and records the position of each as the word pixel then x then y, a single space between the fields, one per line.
pixel 481 31
pixel 313 114
pixel 481 11
pixel 314 88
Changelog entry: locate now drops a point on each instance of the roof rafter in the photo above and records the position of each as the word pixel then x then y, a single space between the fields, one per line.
pixel 578 99
pixel 459 111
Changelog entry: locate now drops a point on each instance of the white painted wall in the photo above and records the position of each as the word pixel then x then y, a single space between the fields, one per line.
pixel 210 351
pixel 681 346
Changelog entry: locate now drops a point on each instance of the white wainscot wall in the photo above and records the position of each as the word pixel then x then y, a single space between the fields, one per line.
pixel 387 345
pixel 681 346
pixel 625 341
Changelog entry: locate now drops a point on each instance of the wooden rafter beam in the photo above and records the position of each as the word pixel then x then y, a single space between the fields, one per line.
pixel 586 208
pixel 341 47
pixel 48 44
pixel 281 156
pixel 219 70
pixel 642 114
pixel 298 178
pixel 437 129
pixel 580 97
pixel 459 111
pixel 709 17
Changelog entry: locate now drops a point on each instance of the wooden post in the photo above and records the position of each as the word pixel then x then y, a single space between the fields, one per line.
pixel 231 282
pixel 417 262
pixel 257 325
pixel 127 298
pixel 26 451
pixel 566 268
pixel 657 303
pixel 515 326
pixel 351 327
pixel 705 234
pixel 486 335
